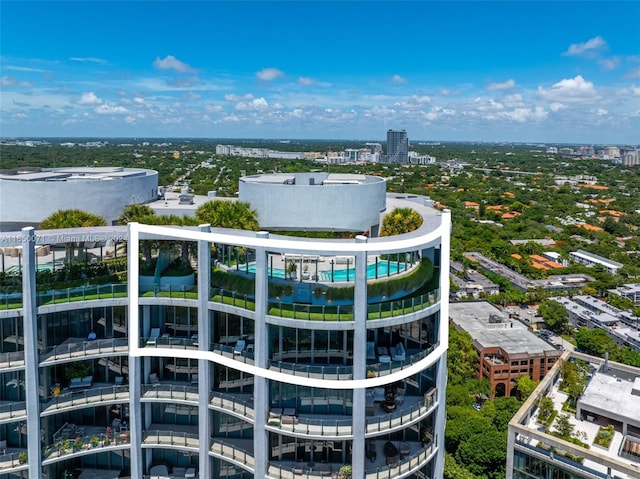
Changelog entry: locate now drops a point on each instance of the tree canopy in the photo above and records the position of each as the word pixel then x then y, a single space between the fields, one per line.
pixel 400 221
pixel 554 314
pixel 228 214
pixel 71 219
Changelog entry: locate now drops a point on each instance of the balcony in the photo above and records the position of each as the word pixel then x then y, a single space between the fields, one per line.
pixel 411 457
pixel 337 372
pixel 239 454
pixel 12 410
pixel 335 426
pixel 171 438
pixel 239 405
pixel 383 310
pixel 75 348
pixel 14 459
pixel 13 360
pixel 162 392
pixel 85 444
pixel 99 395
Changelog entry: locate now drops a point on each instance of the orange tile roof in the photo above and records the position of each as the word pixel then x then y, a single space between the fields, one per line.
pixel 510 215
pixel 470 204
pixel 589 227
pixel 537 265
pixel 615 213
pixel 595 187
pixel 516 256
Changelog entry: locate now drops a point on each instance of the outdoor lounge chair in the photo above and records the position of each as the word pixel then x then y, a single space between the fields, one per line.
pixel 239 347
pixel 153 337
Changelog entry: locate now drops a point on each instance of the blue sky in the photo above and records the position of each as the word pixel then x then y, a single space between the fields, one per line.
pixel 487 71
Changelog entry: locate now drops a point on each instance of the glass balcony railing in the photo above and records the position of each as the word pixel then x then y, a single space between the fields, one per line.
pixel 169 291
pixel 13 460
pixel 12 360
pixel 84 444
pixel 67 295
pixel 402 416
pixel 312 470
pixel 13 410
pixel 85 396
pixel 337 372
pixel 79 349
pixel 170 392
pixel 229 402
pixel 173 342
pixel 232 453
pixel 328 312
pixel 411 463
pixel 171 438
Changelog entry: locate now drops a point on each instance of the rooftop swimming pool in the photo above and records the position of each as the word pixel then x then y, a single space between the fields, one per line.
pixel 382 269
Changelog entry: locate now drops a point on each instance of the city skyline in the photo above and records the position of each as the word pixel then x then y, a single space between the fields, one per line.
pixel 462 71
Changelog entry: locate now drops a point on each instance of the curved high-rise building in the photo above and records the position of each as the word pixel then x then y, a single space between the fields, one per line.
pixel 283 357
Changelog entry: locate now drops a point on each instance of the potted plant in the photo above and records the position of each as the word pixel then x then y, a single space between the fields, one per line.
pixel 345 471
pixel 22 457
pixel 371 374
pixel 77 444
pixel 95 440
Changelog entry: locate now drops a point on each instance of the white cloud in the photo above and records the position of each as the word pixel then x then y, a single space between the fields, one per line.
pixel 587 47
pixel 89 98
pixel 601 112
pixel 634 73
pixel 557 106
pixel 236 98
pixel 510 83
pixel 609 63
pixel 172 63
pixel 398 79
pixel 213 108
pixel 306 81
pixel 88 60
pixel 8 81
pixel 269 74
pixel 571 90
pixel 111 109
pixel 254 105
pixel 26 69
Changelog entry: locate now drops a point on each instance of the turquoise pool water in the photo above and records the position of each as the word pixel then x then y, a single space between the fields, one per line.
pixel 385 268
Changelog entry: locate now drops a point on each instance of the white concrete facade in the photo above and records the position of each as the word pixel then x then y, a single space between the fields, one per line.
pixel 226 382
pixel 27 198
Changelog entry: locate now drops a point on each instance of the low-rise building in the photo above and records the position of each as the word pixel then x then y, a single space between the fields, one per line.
pixel 590 259
pixel 471 283
pixel 610 399
pixel 628 291
pixel 590 312
pixel 506 348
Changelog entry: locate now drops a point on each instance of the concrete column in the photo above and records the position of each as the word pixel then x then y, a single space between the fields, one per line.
pixel 511 442
pixel 359 361
pixel 204 337
pixel 31 376
pixel 135 362
pixel 261 348
pixel 441 381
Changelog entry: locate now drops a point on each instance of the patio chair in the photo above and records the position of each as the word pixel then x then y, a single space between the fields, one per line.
pixel 239 347
pixel 154 380
pixel 153 337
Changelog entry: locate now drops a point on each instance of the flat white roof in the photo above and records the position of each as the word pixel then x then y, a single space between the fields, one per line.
pixel 612 394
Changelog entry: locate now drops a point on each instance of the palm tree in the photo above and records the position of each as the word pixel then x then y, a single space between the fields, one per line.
pixel 229 214
pixel 73 218
pixel 399 221
pixel 135 213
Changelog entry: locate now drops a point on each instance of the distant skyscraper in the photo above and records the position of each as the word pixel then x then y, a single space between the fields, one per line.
pixel 397 147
